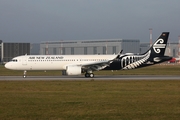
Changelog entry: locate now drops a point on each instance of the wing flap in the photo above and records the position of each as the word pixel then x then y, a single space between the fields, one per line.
pixel 96 66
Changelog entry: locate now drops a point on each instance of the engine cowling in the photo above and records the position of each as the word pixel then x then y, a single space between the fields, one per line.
pixel 73 70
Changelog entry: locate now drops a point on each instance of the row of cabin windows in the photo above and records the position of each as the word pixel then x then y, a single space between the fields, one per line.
pixel 15 60
pixel 71 60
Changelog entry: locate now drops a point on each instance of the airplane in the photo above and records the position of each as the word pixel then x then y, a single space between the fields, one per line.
pixel 78 64
pixel 174 60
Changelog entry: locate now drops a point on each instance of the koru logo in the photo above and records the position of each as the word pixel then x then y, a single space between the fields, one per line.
pixel 158 45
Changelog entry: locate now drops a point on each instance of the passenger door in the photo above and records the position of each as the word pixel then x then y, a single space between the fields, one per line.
pixel 24 61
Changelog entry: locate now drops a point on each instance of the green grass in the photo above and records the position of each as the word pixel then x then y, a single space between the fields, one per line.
pixel 171 69
pixel 90 100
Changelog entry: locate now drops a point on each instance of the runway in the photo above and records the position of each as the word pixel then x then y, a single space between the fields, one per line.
pixel 98 77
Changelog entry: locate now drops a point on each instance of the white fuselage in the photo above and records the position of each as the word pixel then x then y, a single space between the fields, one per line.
pixel 54 62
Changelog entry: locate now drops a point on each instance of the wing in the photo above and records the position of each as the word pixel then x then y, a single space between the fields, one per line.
pixel 100 64
pixel 96 65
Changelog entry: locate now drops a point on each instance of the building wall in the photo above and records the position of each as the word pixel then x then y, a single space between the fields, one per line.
pixel 109 46
pixel 35 49
pixel 130 46
pixel 172 50
pixel 1 51
pixel 144 47
pixel 11 50
pixel 70 47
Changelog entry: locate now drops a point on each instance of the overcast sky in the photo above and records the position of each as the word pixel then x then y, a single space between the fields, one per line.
pixel 52 20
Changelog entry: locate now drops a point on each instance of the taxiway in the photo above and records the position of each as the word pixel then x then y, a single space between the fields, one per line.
pixel 98 77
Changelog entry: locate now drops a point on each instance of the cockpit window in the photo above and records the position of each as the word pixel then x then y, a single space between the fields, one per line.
pixel 14 60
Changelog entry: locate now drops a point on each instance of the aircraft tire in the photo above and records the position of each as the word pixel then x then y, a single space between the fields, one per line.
pixel 91 75
pixel 87 75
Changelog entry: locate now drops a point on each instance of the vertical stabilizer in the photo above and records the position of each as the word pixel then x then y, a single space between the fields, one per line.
pixel 159 46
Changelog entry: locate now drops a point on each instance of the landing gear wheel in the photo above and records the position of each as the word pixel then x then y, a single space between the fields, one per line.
pixel 86 75
pixel 91 75
pixel 24 76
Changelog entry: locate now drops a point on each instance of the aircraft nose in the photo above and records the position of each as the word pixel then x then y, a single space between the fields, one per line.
pixel 8 65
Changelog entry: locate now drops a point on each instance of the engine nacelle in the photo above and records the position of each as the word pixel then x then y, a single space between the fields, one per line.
pixel 73 70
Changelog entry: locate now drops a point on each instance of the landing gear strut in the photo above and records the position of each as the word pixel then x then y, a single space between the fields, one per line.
pixel 24 75
pixel 89 75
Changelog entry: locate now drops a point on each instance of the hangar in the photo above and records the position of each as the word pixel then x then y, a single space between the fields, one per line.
pixel 100 46
pixel 10 50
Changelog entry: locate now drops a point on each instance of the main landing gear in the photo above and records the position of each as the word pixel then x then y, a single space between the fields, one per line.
pixel 24 75
pixel 91 75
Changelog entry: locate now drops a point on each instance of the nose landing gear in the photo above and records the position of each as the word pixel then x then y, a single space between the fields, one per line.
pixel 24 75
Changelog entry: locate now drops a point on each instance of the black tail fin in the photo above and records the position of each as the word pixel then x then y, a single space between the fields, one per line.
pixel 159 46
pixel 153 56
pixel 157 50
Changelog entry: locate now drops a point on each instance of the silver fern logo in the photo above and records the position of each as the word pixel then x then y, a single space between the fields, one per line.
pixel 131 62
pixel 158 45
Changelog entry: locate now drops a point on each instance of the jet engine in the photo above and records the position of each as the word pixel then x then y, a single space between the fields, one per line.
pixel 73 70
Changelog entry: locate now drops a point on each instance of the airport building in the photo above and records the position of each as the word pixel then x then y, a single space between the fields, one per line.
pixel 10 50
pixel 172 49
pixel 100 46
pixel 35 49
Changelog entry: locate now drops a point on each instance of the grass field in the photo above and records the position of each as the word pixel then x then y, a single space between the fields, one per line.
pixel 92 100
